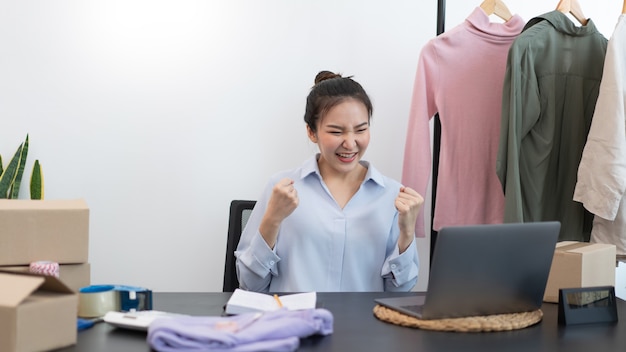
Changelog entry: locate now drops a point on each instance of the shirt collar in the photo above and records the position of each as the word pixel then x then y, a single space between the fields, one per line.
pixel 563 24
pixel 310 166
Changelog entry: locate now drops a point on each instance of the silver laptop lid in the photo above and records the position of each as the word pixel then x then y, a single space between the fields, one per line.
pixel 490 269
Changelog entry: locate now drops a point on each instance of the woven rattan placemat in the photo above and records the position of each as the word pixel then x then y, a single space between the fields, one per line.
pixel 498 322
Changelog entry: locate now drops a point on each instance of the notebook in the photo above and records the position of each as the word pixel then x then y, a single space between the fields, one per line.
pixel 481 270
pixel 242 301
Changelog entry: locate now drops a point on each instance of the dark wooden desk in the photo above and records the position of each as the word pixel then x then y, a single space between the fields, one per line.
pixel 357 329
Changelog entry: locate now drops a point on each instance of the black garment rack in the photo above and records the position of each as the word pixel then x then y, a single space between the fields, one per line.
pixel 441 19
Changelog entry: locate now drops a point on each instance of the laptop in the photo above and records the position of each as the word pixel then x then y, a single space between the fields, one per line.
pixel 479 270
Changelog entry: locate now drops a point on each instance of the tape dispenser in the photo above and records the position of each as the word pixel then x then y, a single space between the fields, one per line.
pixel 97 300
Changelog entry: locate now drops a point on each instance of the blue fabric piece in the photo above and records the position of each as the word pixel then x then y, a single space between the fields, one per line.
pixel 278 331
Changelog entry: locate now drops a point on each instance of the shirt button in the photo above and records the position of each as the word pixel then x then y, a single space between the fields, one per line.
pixel 272 262
pixel 393 266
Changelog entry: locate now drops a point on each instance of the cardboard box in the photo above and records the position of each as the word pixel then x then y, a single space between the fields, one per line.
pixel 73 276
pixel 580 264
pixel 37 313
pixel 36 230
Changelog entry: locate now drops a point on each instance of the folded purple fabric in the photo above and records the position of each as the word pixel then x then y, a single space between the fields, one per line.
pixel 280 330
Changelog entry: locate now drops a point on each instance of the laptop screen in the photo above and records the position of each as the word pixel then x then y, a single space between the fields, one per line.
pixel 482 270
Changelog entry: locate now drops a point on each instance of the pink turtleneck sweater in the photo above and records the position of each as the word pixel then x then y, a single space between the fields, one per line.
pixel 460 75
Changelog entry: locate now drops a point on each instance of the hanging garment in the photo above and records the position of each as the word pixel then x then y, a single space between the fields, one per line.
pixel 551 86
pixel 460 75
pixel 602 172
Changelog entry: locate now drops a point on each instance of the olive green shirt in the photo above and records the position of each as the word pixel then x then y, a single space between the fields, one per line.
pixel 550 90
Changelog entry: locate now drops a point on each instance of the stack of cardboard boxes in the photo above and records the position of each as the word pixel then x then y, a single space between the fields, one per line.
pixel 48 230
pixel 39 312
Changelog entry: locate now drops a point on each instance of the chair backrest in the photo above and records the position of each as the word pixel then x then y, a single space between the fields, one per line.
pixel 239 213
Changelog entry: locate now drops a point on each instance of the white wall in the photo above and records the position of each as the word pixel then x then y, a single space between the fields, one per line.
pixel 159 112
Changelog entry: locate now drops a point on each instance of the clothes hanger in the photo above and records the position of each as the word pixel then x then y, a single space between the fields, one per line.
pixel 572 7
pixel 498 8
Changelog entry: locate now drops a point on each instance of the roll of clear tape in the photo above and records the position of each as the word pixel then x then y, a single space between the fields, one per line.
pixel 97 300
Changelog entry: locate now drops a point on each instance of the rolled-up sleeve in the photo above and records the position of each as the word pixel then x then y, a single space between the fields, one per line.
pixel 400 270
pixel 255 263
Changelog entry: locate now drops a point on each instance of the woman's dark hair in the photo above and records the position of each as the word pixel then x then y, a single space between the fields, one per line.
pixel 329 90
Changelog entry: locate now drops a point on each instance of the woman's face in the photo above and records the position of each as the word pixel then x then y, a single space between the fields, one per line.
pixel 342 136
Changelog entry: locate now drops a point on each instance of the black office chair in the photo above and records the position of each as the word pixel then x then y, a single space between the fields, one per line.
pixel 239 213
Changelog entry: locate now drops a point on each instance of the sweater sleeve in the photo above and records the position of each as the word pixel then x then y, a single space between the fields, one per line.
pixel 417 154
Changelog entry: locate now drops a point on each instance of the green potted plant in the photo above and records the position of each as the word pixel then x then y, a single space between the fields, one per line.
pixel 11 177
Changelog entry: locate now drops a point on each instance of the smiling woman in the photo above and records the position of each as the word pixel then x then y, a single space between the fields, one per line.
pixel 339 125
pixel 335 210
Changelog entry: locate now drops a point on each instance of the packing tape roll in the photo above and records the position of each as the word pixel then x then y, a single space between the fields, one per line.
pixel 44 267
pixel 97 300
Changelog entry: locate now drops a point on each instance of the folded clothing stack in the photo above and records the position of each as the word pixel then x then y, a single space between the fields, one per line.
pixel 279 330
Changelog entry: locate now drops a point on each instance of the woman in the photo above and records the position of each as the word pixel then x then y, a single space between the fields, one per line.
pixel 335 223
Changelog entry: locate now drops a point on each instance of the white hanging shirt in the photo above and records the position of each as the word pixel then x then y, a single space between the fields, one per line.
pixel 602 171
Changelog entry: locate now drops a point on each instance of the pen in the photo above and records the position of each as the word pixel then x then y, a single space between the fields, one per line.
pixel 280 304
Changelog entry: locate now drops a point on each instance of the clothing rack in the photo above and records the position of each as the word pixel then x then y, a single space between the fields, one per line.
pixel 441 20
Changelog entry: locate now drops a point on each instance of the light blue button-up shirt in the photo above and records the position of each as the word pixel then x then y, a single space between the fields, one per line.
pixel 321 247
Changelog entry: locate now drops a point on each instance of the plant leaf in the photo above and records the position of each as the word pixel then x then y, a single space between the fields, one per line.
pixel 8 176
pixel 36 182
pixel 1 169
pixel 15 188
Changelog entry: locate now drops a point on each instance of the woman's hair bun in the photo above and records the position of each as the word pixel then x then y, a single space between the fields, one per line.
pixel 324 75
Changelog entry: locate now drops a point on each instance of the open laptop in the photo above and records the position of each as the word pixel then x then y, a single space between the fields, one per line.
pixel 479 270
